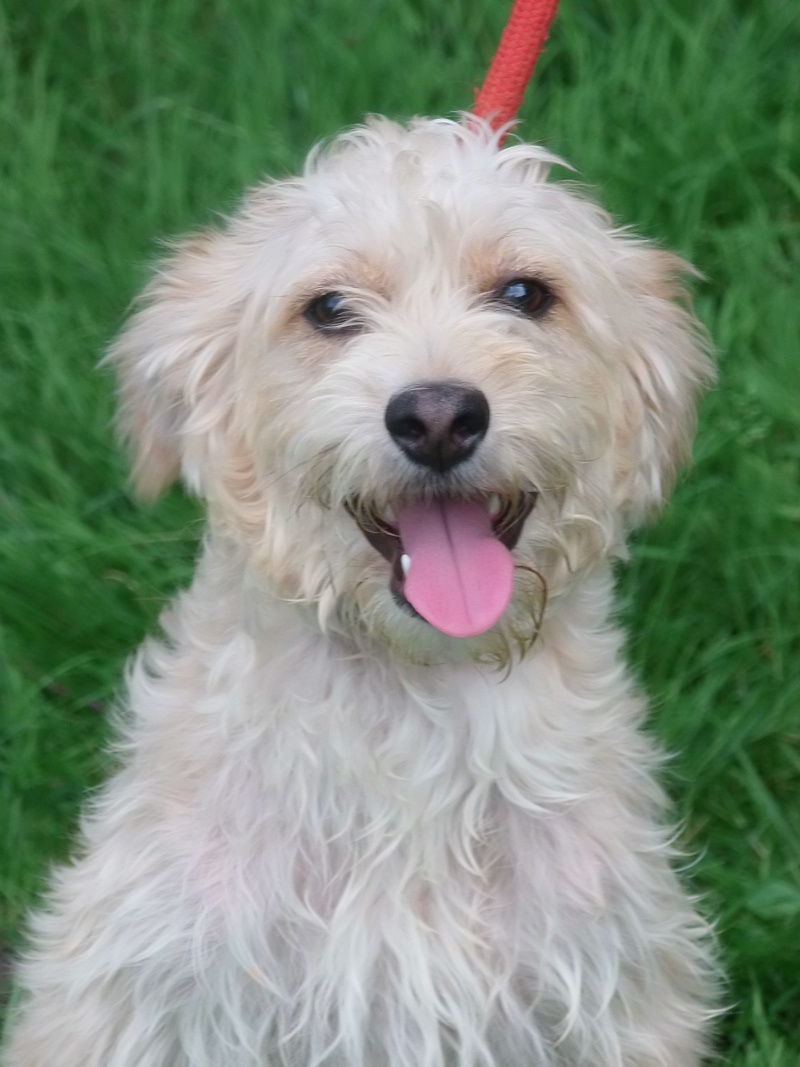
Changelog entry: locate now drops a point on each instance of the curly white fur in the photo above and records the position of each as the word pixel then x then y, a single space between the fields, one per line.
pixel 337 836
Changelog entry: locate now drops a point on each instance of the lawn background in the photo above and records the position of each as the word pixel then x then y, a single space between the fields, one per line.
pixel 124 120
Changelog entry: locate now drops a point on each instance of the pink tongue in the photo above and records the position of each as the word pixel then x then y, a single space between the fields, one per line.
pixel 461 577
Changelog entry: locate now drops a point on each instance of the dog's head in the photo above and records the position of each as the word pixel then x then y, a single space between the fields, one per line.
pixel 418 379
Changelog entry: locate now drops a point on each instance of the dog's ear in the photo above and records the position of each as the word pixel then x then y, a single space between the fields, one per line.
pixel 667 368
pixel 169 360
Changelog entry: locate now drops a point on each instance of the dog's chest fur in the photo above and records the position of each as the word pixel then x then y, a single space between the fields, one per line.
pixel 444 843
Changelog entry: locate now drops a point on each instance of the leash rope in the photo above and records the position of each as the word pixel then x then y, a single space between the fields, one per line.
pixel 500 97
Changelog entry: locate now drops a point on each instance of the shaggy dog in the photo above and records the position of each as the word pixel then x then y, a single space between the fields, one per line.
pixel 384 799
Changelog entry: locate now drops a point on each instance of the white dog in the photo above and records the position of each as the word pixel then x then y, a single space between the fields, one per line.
pixel 384 800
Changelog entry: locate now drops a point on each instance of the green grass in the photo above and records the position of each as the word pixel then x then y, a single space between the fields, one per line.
pixel 122 122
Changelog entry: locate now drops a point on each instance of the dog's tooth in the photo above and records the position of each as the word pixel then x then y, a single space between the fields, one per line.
pixel 495 505
pixel 389 513
pixel 405 564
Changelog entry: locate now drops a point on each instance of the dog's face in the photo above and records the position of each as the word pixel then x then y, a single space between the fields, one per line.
pixel 418 383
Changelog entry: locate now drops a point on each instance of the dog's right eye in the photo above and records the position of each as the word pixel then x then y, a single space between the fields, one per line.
pixel 532 297
pixel 331 312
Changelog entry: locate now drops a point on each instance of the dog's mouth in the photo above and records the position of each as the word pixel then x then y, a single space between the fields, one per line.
pixel 450 556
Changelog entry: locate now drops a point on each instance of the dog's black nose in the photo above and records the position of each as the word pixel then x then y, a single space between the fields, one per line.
pixel 438 424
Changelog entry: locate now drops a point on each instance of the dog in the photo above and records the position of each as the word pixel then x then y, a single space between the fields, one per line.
pixel 383 796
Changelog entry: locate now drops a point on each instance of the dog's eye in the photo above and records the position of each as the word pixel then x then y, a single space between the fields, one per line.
pixel 530 296
pixel 331 312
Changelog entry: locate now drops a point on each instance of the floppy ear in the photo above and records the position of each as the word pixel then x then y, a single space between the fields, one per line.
pixel 170 361
pixel 667 368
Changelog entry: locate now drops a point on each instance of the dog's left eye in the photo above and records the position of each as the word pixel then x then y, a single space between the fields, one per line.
pixel 530 296
pixel 331 312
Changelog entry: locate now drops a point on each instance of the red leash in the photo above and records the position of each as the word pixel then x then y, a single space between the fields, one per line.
pixel 523 39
